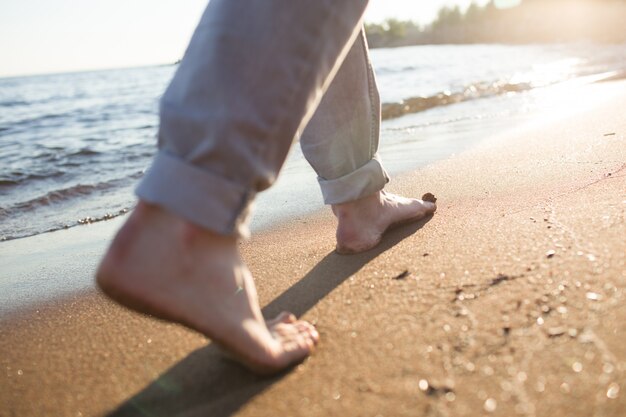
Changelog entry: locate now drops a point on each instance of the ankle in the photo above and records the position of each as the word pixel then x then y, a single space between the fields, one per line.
pixel 151 215
pixel 356 207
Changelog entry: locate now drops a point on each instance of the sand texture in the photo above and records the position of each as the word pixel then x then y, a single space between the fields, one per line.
pixel 509 301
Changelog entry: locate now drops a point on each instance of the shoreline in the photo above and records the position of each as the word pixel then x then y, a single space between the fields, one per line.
pixel 512 302
pixel 463 104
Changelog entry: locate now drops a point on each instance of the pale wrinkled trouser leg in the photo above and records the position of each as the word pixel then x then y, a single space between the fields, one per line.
pixel 341 139
pixel 251 78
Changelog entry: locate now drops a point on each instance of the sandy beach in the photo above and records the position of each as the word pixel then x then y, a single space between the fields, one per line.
pixel 509 301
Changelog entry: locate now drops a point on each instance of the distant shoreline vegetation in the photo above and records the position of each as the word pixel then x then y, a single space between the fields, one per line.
pixel 533 21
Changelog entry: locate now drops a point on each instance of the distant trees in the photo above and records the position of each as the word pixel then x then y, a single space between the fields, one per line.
pixel 531 21
pixel 392 32
pixel 450 16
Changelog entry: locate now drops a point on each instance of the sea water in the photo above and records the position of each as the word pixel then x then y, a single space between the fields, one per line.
pixel 73 146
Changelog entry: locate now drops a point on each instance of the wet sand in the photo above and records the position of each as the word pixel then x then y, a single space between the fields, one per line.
pixel 509 301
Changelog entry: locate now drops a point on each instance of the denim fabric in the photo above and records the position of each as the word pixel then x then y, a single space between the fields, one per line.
pixel 341 139
pixel 252 77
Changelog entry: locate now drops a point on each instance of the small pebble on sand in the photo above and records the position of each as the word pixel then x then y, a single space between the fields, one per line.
pixel 430 197
pixel 613 391
pixel 593 296
pixel 556 331
pixel 423 385
pixel 490 405
pixel 402 274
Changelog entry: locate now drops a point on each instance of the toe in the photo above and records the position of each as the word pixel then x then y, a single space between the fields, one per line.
pixel 291 331
pixel 429 206
pixel 284 317
pixel 284 330
pixel 302 342
pixel 309 330
pixel 293 348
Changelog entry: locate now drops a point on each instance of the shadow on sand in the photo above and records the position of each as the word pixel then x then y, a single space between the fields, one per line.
pixel 206 384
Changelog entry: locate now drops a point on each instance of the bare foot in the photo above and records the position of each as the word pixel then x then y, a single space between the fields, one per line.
pixel 161 265
pixel 363 222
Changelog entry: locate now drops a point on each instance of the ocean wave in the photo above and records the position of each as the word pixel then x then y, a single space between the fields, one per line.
pixel 66 194
pixel 14 103
pixel 487 89
pixel 84 152
pixel 80 222
pixel 397 70
pixel 445 98
pixel 30 122
pixel 18 178
pixel 61 195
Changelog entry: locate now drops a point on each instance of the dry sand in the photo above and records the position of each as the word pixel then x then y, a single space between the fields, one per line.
pixel 509 301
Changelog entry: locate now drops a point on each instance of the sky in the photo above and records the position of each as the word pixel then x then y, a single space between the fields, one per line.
pixel 47 36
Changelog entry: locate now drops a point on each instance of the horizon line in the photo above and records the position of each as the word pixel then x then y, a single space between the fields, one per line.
pixel 84 70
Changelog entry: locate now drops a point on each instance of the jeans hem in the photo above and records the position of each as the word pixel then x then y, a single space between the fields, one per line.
pixel 362 182
pixel 198 196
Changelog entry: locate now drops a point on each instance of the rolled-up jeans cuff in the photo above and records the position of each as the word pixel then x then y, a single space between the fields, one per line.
pixel 364 181
pixel 198 196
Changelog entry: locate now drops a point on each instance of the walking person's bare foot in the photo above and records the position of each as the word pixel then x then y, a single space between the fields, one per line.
pixel 161 265
pixel 362 223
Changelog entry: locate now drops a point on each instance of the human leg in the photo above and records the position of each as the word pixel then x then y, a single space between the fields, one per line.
pixel 341 143
pixel 251 78
pixel 341 139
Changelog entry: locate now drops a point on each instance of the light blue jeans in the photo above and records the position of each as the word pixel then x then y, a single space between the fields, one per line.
pixel 258 74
